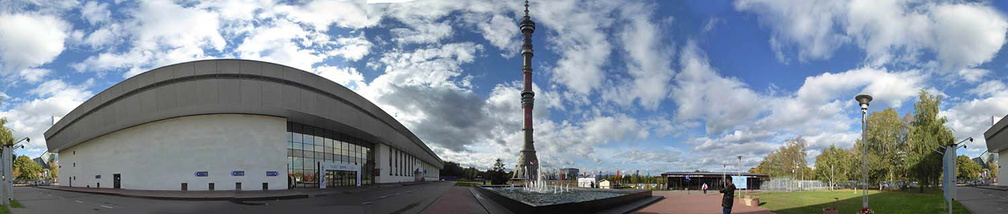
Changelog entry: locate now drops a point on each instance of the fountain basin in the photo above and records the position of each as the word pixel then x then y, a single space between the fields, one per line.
pixel 578 200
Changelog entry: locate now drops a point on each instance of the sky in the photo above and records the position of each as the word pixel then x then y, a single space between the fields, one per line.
pixel 654 86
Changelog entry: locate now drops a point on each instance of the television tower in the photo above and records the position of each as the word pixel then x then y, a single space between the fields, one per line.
pixel 528 164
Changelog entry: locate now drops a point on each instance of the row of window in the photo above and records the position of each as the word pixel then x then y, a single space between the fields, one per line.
pixel 308 145
pixel 403 164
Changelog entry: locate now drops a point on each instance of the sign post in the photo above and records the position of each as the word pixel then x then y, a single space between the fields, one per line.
pixel 949 171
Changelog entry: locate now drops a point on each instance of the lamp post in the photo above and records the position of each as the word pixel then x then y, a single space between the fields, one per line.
pixel 863 101
pixel 7 191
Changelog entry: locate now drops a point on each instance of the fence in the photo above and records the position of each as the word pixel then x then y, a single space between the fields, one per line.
pixel 789 184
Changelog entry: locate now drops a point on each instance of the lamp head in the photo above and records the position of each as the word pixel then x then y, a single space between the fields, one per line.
pixel 27 139
pixel 863 100
pixel 971 139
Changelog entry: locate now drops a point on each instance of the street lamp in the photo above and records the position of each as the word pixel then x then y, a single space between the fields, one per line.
pixel 7 191
pixel 863 101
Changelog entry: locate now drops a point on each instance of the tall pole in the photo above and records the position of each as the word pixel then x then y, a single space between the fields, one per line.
pixel 863 101
pixel 528 158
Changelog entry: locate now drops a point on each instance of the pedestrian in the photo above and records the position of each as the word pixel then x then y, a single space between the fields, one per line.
pixel 728 196
pixel 704 188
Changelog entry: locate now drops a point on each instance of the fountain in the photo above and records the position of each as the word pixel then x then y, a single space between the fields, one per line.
pixel 544 196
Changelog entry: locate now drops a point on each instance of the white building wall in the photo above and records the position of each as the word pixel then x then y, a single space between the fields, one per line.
pixel 1002 173
pixel 400 167
pixel 163 154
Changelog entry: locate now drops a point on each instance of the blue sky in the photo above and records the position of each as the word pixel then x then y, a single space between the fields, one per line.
pixel 620 85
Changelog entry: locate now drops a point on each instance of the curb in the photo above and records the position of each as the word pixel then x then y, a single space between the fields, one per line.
pixel 206 198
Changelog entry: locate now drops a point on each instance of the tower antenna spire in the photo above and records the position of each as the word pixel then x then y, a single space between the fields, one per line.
pixel 526 8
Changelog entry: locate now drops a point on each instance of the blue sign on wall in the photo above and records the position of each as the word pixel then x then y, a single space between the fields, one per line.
pixel 271 173
pixel 97 177
pixel 237 173
pixel 202 174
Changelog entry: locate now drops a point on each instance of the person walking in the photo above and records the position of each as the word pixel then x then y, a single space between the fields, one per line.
pixel 728 196
pixel 704 188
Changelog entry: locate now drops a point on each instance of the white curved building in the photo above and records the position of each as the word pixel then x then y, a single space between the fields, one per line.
pixel 234 125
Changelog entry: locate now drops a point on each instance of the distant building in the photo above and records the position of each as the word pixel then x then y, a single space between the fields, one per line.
pixel 695 180
pixel 569 173
pixel 605 184
pixel 586 182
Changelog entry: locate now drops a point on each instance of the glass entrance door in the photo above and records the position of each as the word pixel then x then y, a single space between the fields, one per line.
pixel 338 178
pixel 330 176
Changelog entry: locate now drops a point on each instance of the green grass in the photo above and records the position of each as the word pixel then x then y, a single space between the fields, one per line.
pixel 849 201
pixel 14 204
pixel 469 183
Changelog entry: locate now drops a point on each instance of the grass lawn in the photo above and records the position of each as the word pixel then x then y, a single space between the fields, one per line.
pixel 14 204
pixel 849 201
pixel 469 183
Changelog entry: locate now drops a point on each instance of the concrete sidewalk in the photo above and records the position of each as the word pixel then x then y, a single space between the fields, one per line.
pixel 224 194
pixel 983 200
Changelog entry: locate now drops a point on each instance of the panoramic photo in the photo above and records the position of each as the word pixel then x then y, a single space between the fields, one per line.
pixel 503 106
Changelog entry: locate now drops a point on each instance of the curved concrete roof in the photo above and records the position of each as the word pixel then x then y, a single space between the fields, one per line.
pixel 233 87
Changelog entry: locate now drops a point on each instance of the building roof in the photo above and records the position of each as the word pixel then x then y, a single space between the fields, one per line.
pixel 997 138
pixel 41 162
pixel 229 86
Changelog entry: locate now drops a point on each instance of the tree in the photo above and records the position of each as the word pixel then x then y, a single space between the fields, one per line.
pixel 6 135
pixel 993 169
pixel 789 161
pixel 887 135
pixel 966 168
pixel 497 174
pixel 53 168
pixel 927 134
pixel 451 169
pixel 833 165
pixel 26 168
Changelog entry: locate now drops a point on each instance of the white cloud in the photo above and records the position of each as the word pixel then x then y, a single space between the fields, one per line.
pixel 647 60
pixel 701 93
pixel 321 14
pixel 33 117
pixel 34 75
pixel 348 77
pixel 989 88
pixel 808 24
pixel 504 38
pixel 973 75
pixel 352 48
pixel 973 117
pixel 968 34
pixel 961 35
pixel 161 33
pixel 280 43
pixel 95 12
pixel 22 49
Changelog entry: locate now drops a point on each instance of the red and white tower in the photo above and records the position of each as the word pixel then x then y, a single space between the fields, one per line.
pixel 528 164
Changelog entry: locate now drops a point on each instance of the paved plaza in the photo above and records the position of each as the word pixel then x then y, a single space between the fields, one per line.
pixel 696 203
pixel 382 199
pixel 434 197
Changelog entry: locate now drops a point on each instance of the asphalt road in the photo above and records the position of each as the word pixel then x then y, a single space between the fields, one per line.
pixel 391 199
pixel 979 200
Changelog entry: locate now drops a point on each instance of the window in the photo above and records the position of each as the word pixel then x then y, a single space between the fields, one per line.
pixel 390 160
pixel 308 145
